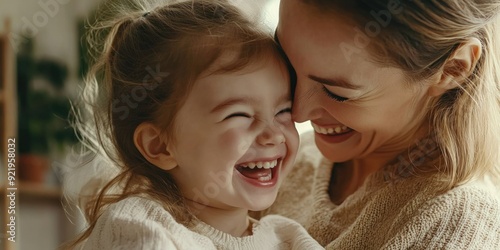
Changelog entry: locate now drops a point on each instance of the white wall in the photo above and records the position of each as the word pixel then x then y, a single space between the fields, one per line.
pixel 52 23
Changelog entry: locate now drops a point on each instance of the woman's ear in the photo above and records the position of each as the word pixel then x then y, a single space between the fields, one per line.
pixel 458 67
pixel 148 140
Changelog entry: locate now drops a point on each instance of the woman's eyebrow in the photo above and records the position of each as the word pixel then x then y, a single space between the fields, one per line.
pixel 334 82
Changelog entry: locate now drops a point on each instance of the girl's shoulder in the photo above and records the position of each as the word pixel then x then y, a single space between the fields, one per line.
pixel 145 213
pixel 141 223
pixel 135 209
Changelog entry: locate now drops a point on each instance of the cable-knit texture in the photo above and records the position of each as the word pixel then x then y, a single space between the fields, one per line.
pixel 407 214
pixel 140 223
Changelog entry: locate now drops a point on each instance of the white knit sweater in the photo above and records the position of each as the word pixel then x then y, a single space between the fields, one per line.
pixel 408 214
pixel 139 223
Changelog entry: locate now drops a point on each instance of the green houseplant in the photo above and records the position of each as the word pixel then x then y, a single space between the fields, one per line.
pixel 43 124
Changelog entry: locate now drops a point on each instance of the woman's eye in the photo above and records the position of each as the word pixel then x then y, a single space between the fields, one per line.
pixel 245 115
pixel 334 96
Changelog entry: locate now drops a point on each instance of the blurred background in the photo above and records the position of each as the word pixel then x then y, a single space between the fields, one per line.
pixel 42 59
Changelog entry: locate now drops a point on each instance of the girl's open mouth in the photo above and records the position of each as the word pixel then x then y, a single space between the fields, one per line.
pixel 260 173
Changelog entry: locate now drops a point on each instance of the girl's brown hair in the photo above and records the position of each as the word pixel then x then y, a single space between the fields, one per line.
pixel 146 58
pixel 418 37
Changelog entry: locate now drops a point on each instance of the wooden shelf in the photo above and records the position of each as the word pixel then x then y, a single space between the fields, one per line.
pixel 40 191
pixel 36 190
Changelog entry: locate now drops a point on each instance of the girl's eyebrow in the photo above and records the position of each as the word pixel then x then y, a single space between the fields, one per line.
pixel 245 100
pixel 233 101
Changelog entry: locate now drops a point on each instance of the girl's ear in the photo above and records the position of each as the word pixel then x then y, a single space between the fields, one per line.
pixel 149 142
pixel 458 67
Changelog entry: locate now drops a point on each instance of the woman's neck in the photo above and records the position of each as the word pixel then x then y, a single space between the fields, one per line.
pixel 347 177
pixel 233 221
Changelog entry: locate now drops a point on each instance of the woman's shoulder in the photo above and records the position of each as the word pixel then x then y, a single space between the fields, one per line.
pixel 467 216
pixel 469 202
pixel 472 199
pixel 414 214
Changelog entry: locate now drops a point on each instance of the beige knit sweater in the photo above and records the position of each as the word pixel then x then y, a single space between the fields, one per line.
pixel 139 223
pixel 404 215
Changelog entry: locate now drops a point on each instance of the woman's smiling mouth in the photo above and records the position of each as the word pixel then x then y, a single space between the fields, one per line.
pixel 333 134
pixel 333 130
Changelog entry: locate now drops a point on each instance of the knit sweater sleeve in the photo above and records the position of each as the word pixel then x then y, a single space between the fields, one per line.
pixel 291 234
pixel 465 218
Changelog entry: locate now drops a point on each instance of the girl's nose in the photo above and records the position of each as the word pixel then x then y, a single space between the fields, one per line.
pixel 272 134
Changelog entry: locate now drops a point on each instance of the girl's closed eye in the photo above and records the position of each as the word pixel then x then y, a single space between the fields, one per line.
pixel 238 114
pixel 287 110
pixel 285 114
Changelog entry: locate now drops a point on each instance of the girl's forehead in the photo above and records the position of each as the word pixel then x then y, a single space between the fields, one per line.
pixel 232 63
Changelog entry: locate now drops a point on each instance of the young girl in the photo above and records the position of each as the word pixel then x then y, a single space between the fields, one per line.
pixel 193 102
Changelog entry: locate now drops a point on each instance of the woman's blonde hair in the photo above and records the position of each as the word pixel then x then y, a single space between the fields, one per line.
pixel 419 37
pixel 146 57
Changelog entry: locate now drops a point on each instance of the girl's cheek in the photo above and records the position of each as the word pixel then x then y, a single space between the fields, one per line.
pixel 235 142
pixel 292 139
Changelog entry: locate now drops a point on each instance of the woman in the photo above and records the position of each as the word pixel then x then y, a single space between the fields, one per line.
pixel 404 100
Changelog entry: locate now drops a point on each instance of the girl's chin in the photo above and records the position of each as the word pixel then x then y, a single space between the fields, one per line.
pixel 260 207
pixel 260 204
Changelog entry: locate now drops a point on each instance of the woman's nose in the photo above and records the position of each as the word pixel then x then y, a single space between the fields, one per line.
pixel 305 107
pixel 271 134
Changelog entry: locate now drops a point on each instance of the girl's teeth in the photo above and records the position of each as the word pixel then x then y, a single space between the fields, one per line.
pixel 266 178
pixel 267 165
pixel 264 165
